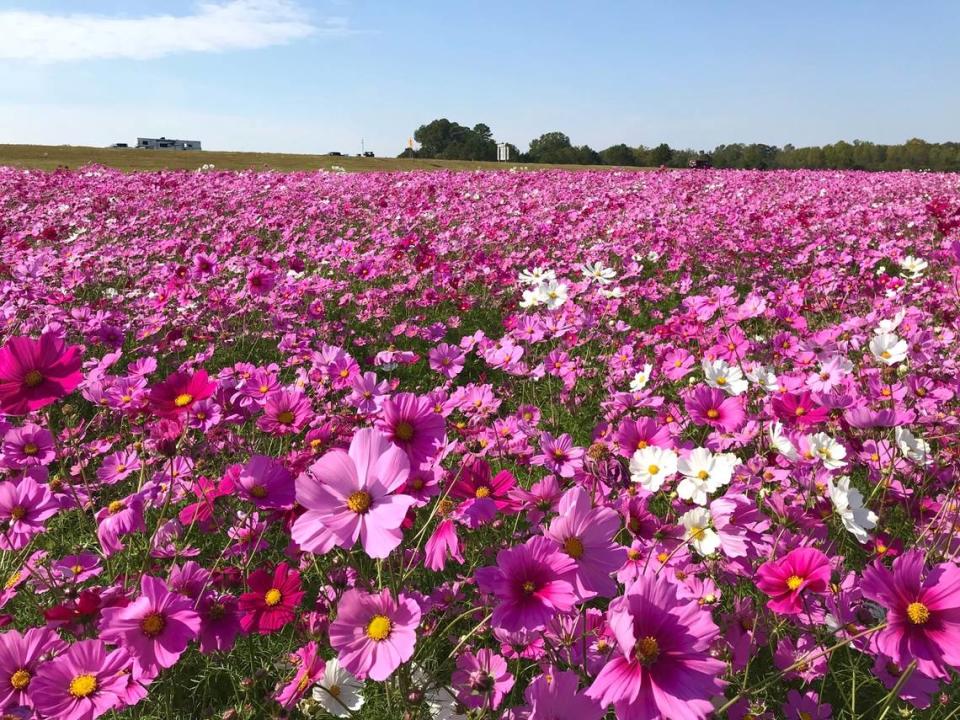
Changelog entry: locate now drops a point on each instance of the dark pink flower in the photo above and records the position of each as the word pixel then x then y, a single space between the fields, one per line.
pixel 36 373
pixel 788 580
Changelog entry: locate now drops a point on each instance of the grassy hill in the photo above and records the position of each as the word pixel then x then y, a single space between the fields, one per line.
pixel 50 157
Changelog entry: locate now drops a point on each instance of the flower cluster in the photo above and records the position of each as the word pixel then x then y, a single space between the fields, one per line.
pixel 533 446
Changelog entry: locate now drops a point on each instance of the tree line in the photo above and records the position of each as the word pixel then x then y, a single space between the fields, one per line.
pixel 448 140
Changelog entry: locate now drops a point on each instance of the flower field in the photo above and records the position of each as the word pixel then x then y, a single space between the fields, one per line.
pixel 527 445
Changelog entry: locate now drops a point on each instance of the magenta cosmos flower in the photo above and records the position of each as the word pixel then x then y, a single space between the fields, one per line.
pixel 373 633
pixel 28 446
pixel 923 612
pixel 19 657
pixel 83 683
pixel 285 411
pixel 178 393
pixel 481 679
pixel 586 534
pixel 411 423
pixel 272 600
pixel 310 669
pixel 532 582
pixel 155 628
pixel 713 407
pixel 788 579
pixel 36 373
pixel 353 495
pixel 266 483
pixel 662 667
pixel 559 455
pixel 24 507
pixel 556 694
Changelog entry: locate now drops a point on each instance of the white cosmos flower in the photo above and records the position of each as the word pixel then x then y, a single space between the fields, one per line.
pixel 699 532
pixel 913 448
pixel 913 265
pixel 848 502
pixel 598 273
pixel 651 465
pixel 444 705
pixel 554 294
pixel 829 451
pixel 616 292
pixel 729 378
pixel 781 443
pixel 532 298
pixel 888 348
pixel 641 379
pixel 338 691
pixel 889 326
pixel 536 276
pixel 704 473
pixel 765 377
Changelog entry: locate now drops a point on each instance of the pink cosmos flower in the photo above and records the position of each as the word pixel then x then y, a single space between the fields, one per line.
pixel 120 517
pixel 788 579
pixel 410 423
pixel 24 507
pixel 367 393
pixel 178 393
pixel 285 412
pixel 36 373
pixel 923 612
pixel 373 633
pixel 266 483
pixel 448 360
pixel 352 495
pixel 532 583
pixel 27 446
pixel 556 695
pixel 662 667
pixel 155 628
pixel 586 533
pixel 712 406
pixel 559 455
pixel 82 684
pixel 442 542
pixel 481 679
pixel 310 667
pixel 20 655
pixel 118 466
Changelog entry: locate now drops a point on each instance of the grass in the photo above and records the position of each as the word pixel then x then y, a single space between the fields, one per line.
pixel 51 157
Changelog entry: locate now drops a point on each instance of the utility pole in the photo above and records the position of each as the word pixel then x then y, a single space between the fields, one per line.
pixel 363 149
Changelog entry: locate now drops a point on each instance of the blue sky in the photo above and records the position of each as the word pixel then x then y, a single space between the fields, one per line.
pixel 319 75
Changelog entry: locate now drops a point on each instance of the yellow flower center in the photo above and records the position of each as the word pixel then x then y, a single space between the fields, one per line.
pixel 573 547
pixel 697 533
pixel 713 413
pixel 482 492
pixel 285 418
pixel 404 431
pixel 334 690
pixel 359 502
pixel 20 679
pixel 18 512
pixel 263 389
pixel 30 449
pixel 258 491
pixel 885 354
pixel 794 581
pixel 272 597
pixel 529 587
pixel 881 548
pixel 653 469
pixel 662 557
pixel 721 380
pixel 153 624
pixel 115 507
pixel 918 613
pixel 83 685
pixel 12 580
pixel 805 715
pixel 703 474
pixel 379 628
pixel 32 378
pixel 183 399
pixel 647 650
pixel 76 569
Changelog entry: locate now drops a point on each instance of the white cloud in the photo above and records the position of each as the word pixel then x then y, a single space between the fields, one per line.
pixel 213 27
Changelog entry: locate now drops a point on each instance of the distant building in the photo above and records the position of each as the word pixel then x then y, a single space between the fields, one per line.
pixel 119 145
pixel 162 143
pixel 503 152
